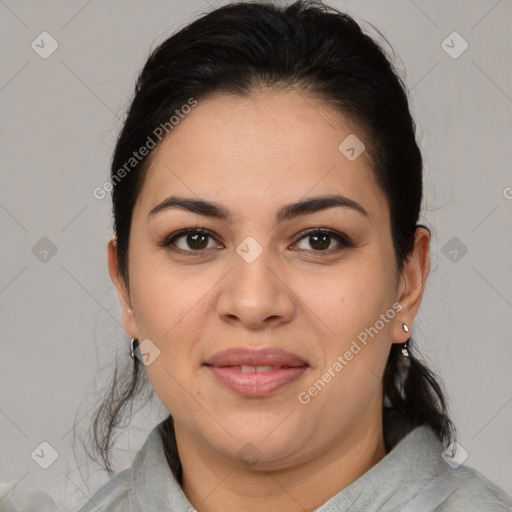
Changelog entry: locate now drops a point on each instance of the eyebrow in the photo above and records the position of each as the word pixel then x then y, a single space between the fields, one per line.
pixel 290 211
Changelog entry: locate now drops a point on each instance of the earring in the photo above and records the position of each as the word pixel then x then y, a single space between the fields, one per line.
pixel 405 352
pixel 133 346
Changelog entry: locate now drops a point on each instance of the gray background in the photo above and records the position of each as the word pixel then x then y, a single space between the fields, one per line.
pixel 60 317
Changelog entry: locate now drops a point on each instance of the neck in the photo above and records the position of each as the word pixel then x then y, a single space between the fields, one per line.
pixel 215 484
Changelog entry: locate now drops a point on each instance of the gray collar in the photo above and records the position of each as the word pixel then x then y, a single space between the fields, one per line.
pixel 396 481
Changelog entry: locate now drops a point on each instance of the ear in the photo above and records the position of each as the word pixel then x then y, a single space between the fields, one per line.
pixel 129 322
pixel 413 281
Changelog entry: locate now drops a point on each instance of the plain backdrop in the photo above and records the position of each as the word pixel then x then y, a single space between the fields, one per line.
pixel 60 115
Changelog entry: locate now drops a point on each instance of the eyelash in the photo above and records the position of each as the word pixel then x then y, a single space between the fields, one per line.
pixel 339 237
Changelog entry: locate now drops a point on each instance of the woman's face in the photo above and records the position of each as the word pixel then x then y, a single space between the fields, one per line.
pixel 260 279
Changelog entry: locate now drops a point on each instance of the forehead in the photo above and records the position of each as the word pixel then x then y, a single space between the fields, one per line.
pixel 261 150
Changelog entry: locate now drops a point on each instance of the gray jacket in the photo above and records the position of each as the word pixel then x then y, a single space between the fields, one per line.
pixel 412 477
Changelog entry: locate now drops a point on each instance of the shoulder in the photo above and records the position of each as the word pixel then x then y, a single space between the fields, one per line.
pixel 18 497
pixel 147 485
pixel 470 490
pixel 417 478
pixel 115 496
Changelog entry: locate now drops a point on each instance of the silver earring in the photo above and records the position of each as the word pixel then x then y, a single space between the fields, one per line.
pixel 133 346
pixel 405 352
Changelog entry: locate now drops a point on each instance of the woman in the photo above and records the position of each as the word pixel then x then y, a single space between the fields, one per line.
pixel 266 193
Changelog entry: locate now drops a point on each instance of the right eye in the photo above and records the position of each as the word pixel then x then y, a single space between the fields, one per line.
pixel 195 241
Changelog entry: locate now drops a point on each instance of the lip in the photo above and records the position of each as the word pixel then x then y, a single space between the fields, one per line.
pixel 285 368
pixel 256 357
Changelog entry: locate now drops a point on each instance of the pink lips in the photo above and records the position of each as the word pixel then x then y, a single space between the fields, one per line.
pixel 256 373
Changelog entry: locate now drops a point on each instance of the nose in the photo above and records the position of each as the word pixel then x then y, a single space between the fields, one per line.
pixel 256 294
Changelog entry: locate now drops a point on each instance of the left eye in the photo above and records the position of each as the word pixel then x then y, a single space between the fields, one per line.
pixel 320 240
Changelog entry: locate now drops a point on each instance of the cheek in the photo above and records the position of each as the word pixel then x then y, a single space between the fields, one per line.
pixel 166 298
pixel 348 299
pixel 358 339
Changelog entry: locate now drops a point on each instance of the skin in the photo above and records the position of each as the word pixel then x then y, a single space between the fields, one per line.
pixel 253 155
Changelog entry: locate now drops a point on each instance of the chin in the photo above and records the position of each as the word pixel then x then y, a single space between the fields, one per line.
pixel 258 455
pixel 266 446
